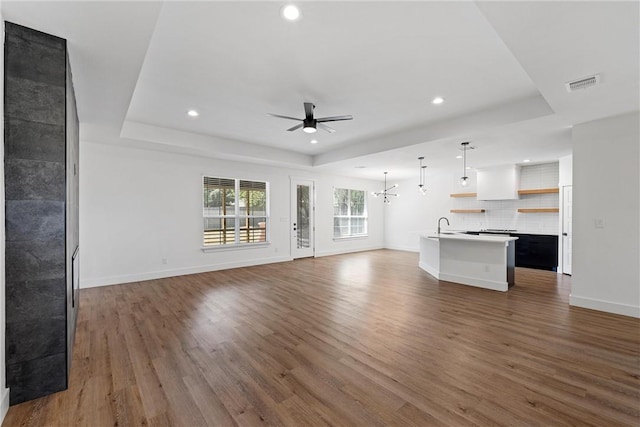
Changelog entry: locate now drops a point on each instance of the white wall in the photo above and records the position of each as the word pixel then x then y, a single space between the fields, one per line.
pixel 4 392
pixel 606 187
pixel 565 176
pixel 140 206
pixel 412 213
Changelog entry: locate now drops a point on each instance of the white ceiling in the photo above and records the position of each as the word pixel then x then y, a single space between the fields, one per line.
pixel 501 67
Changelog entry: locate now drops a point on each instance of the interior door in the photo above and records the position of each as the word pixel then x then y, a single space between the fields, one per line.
pixel 302 218
pixel 567 203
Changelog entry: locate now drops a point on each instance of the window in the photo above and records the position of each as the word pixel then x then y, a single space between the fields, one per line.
pixel 234 211
pixel 349 213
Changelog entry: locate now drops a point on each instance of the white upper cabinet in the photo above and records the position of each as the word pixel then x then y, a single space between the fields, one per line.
pixel 498 182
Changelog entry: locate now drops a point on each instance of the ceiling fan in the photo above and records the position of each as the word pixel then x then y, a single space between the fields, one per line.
pixel 309 123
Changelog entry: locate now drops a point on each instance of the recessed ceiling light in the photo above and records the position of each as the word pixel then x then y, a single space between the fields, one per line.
pixel 458 157
pixel 526 161
pixel 437 100
pixel 193 113
pixel 291 12
pixel 314 141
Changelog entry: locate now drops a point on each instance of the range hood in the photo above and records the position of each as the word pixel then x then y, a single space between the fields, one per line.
pixel 498 182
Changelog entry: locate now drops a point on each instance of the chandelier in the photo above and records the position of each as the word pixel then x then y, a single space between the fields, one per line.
pixel 385 193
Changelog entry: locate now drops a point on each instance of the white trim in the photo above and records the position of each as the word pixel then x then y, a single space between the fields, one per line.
pixel 139 277
pixel 606 306
pixel 347 251
pixel 342 239
pixel 4 404
pixel 233 247
pixel 403 248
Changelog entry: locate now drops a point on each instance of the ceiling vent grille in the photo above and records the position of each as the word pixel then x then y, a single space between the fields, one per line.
pixel 582 83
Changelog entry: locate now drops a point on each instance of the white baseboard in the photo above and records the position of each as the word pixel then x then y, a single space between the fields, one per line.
pixel 4 404
pixel 346 251
pixel 607 306
pixel 403 248
pixel 139 277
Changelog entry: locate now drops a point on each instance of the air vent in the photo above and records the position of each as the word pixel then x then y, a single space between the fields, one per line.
pixel 582 83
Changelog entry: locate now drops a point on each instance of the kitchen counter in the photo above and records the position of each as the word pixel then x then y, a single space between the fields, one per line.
pixel 470 237
pixel 482 261
pixel 514 232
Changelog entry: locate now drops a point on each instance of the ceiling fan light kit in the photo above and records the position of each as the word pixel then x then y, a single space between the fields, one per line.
pixel 310 124
pixel 309 128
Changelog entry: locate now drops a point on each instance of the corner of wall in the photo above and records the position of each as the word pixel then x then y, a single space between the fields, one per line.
pixel 606 207
pixel 4 392
pixel 4 403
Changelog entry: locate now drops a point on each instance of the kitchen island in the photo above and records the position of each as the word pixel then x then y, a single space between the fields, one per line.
pixel 482 261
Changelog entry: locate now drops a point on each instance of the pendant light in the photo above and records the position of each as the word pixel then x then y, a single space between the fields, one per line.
pixel 464 180
pixel 423 170
pixel 385 193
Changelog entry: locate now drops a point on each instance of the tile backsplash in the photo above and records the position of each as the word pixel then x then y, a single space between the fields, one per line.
pixel 503 214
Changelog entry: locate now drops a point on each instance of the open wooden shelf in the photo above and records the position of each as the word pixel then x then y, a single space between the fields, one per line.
pixel 523 210
pixel 463 194
pixel 539 191
pixel 467 210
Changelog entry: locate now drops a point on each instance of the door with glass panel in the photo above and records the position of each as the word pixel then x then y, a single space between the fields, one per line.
pixel 302 218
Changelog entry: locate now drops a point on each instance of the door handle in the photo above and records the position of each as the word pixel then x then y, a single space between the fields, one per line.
pixel 564 234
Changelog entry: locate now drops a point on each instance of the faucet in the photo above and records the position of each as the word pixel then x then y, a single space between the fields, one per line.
pixel 441 218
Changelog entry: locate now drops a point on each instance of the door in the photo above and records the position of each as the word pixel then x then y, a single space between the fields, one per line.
pixel 567 203
pixel 302 218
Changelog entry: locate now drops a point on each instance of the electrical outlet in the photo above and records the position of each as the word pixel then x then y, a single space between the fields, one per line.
pixel 486 268
pixel 164 261
pixel 599 223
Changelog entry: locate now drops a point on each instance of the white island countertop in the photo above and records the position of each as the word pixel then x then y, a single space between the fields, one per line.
pixel 471 237
pixel 485 261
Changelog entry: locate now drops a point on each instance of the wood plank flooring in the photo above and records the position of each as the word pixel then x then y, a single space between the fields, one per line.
pixel 365 339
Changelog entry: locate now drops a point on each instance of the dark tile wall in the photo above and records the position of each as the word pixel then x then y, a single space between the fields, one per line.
pixel 36 153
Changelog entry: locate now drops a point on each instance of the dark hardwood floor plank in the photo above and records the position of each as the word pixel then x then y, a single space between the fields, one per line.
pixel 364 339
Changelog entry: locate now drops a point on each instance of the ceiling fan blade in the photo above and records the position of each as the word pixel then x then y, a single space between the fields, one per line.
pixel 325 127
pixel 308 110
pixel 334 118
pixel 295 127
pixel 283 117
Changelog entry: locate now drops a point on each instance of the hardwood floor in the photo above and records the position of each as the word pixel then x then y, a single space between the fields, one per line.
pixel 363 339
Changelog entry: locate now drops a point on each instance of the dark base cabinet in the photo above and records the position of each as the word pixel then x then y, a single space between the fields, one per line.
pixel 537 251
pixel 532 250
pixel 41 221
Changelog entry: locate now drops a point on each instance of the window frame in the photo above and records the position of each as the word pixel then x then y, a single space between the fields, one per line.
pixel 351 235
pixel 236 216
